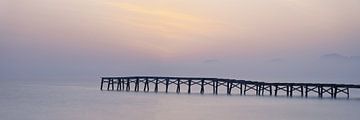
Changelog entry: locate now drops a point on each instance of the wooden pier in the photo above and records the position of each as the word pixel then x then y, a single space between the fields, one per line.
pixel 243 87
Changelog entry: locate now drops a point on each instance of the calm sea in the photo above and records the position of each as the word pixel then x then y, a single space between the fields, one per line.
pixel 68 100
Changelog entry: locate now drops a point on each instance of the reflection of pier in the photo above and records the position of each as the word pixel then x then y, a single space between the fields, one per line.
pixel 242 86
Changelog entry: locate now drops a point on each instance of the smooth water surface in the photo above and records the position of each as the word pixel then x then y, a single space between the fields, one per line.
pixel 69 100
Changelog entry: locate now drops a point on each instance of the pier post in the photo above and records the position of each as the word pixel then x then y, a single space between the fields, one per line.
pixel 202 86
pixel 335 92
pixel 257 89
pixel 146 85
pixel 245 88
pixel 348 92
pixel 217 87
pixel 287 90
pixel 276 90
pixel 265 87
pixel 123 84
pixel 137 85
pixel 332 91
pixel 306 91
pixel 262 89
pixel 291 90
pixel 178 86
pixel 302 91
pixel 127 84
pixel 228 88
pixel 320 92
pixel 118 87
pixel 213 86
pixel 241 88
pixel 102 83
pixel 108 86
pixel 110 82
pixel 189 86
pixel 156 85
pixel 167 85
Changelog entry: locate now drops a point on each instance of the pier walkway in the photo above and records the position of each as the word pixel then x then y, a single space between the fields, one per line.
pixel 243 86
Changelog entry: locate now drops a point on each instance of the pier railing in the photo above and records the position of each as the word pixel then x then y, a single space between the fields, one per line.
pixel 243 86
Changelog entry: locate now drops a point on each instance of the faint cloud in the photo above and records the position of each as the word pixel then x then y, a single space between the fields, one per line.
pixel 167 31
pixel 165 21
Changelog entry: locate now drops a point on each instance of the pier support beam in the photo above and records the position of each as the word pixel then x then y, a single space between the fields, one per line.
pixel 189 86
pixel 178 86
pixel 281 87
pixel 312 88
pixel 167 85
pixel 276 90
pixel 128 84
pixel 118 86
pixel 320 89
pixel 291 87
pixel 341 90
pixel 102 83
pixel 328 90
pixel 266 87
pixel 110 83
pixel 245 89
pixel 251 86
pixel 202 86
pixel 241 89
pixel 123 84
pixel 146 85
pixel 287 90
pixel 214 86
pixel 229 87
pixel 136 85
pixel 156 85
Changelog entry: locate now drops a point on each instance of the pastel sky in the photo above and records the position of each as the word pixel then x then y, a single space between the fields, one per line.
pixel 280 40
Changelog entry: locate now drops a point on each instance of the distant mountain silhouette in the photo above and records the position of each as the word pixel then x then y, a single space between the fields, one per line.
pixel 340 58
pixel 356 58
pixel 334 56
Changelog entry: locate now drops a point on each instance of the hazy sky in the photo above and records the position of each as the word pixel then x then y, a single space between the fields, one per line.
pixel 279 40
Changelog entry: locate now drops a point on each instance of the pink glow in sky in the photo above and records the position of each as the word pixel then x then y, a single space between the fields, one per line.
pixel 236 38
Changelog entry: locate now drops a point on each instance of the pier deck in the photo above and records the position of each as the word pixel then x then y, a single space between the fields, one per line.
pixel 243 86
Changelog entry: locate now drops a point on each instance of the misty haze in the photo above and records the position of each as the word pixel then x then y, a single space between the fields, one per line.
pixel 53 54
